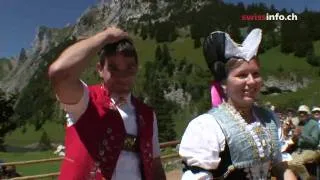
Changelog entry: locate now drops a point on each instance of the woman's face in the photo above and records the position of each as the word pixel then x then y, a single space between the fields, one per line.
pixel 244 83
pixel 286 126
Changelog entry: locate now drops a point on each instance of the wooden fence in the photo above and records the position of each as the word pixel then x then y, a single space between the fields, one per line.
pixel 52 175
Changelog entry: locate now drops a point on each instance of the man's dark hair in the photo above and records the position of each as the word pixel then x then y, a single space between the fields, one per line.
pixel 124 47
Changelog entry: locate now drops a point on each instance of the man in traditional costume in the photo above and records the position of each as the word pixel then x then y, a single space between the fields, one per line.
pixel 110 134
pixel 235 139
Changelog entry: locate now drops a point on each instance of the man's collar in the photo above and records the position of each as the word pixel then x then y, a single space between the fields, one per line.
pixel 114 98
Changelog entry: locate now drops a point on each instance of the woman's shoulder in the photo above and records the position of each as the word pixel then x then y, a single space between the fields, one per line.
pixel 205 133
pixel 205 120
pixel 205 125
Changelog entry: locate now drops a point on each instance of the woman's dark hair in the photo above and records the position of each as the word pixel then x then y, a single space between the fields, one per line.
pixel 213 51
pixel 124 47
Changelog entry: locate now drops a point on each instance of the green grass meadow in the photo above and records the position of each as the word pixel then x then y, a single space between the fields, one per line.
pixel 32 169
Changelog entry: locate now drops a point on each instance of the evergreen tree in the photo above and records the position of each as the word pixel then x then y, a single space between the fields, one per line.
pixel 167 61
pixel 287 36
pixel 312 59
pixel 157 76
pixel 195 31
pixel 22 56
pixel 280 68
pixel 37 96
pixel 151 29
pixel 235 33
pixel 44 142
pixel 158 54
pixel 164 111
pixel 166 57
pixel 303 43
pixel 144 32
pixel 6 112
pixel 196 43
pixel 136 28
pixel 166 32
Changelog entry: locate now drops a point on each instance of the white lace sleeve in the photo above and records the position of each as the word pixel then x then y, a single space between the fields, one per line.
pixel 201 144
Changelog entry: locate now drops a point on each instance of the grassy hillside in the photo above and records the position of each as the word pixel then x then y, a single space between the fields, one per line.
pixel 273 59
pixel 270 63
pixel 179 49
pixel 27 135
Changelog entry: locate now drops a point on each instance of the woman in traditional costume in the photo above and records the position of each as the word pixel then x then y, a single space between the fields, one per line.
pixel 236 139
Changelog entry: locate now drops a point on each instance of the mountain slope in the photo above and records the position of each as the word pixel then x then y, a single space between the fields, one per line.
pixel 153 23
pixel 6 65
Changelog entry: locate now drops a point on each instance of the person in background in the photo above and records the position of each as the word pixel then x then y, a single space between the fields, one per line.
pixel 286 141
pixel 291 116
pixel 316 114
pixel 306 140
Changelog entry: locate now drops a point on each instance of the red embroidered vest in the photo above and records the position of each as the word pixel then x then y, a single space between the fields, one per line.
pixel 94 142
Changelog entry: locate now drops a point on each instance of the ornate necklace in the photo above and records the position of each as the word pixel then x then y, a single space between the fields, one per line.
pixel 255 130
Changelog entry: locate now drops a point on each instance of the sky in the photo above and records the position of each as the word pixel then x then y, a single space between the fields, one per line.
pixel 19 19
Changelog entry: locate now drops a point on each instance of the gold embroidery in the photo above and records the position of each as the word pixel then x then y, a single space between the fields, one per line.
pixel 130 143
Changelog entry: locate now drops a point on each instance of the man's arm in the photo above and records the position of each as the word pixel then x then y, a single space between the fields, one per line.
pixel 158 171
pixel 312 140
pixel 65 72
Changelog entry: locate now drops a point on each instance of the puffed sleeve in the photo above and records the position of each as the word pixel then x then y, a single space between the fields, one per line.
pixel 200 146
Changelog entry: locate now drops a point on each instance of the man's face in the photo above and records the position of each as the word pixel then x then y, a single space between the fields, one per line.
pixel 119 73
pixel 282 116
pixel 303 116
pixel 316 115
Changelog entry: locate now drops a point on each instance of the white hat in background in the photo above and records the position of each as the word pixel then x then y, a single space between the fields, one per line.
pixel 272 108
pixel 315 108
pixel 304 108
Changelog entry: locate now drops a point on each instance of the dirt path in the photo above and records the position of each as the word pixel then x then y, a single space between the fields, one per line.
pixel 174 174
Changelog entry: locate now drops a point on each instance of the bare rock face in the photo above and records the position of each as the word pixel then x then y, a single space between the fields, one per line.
pixel 273 85
pixel 45 39
pixel 112 12
pixel 42 40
